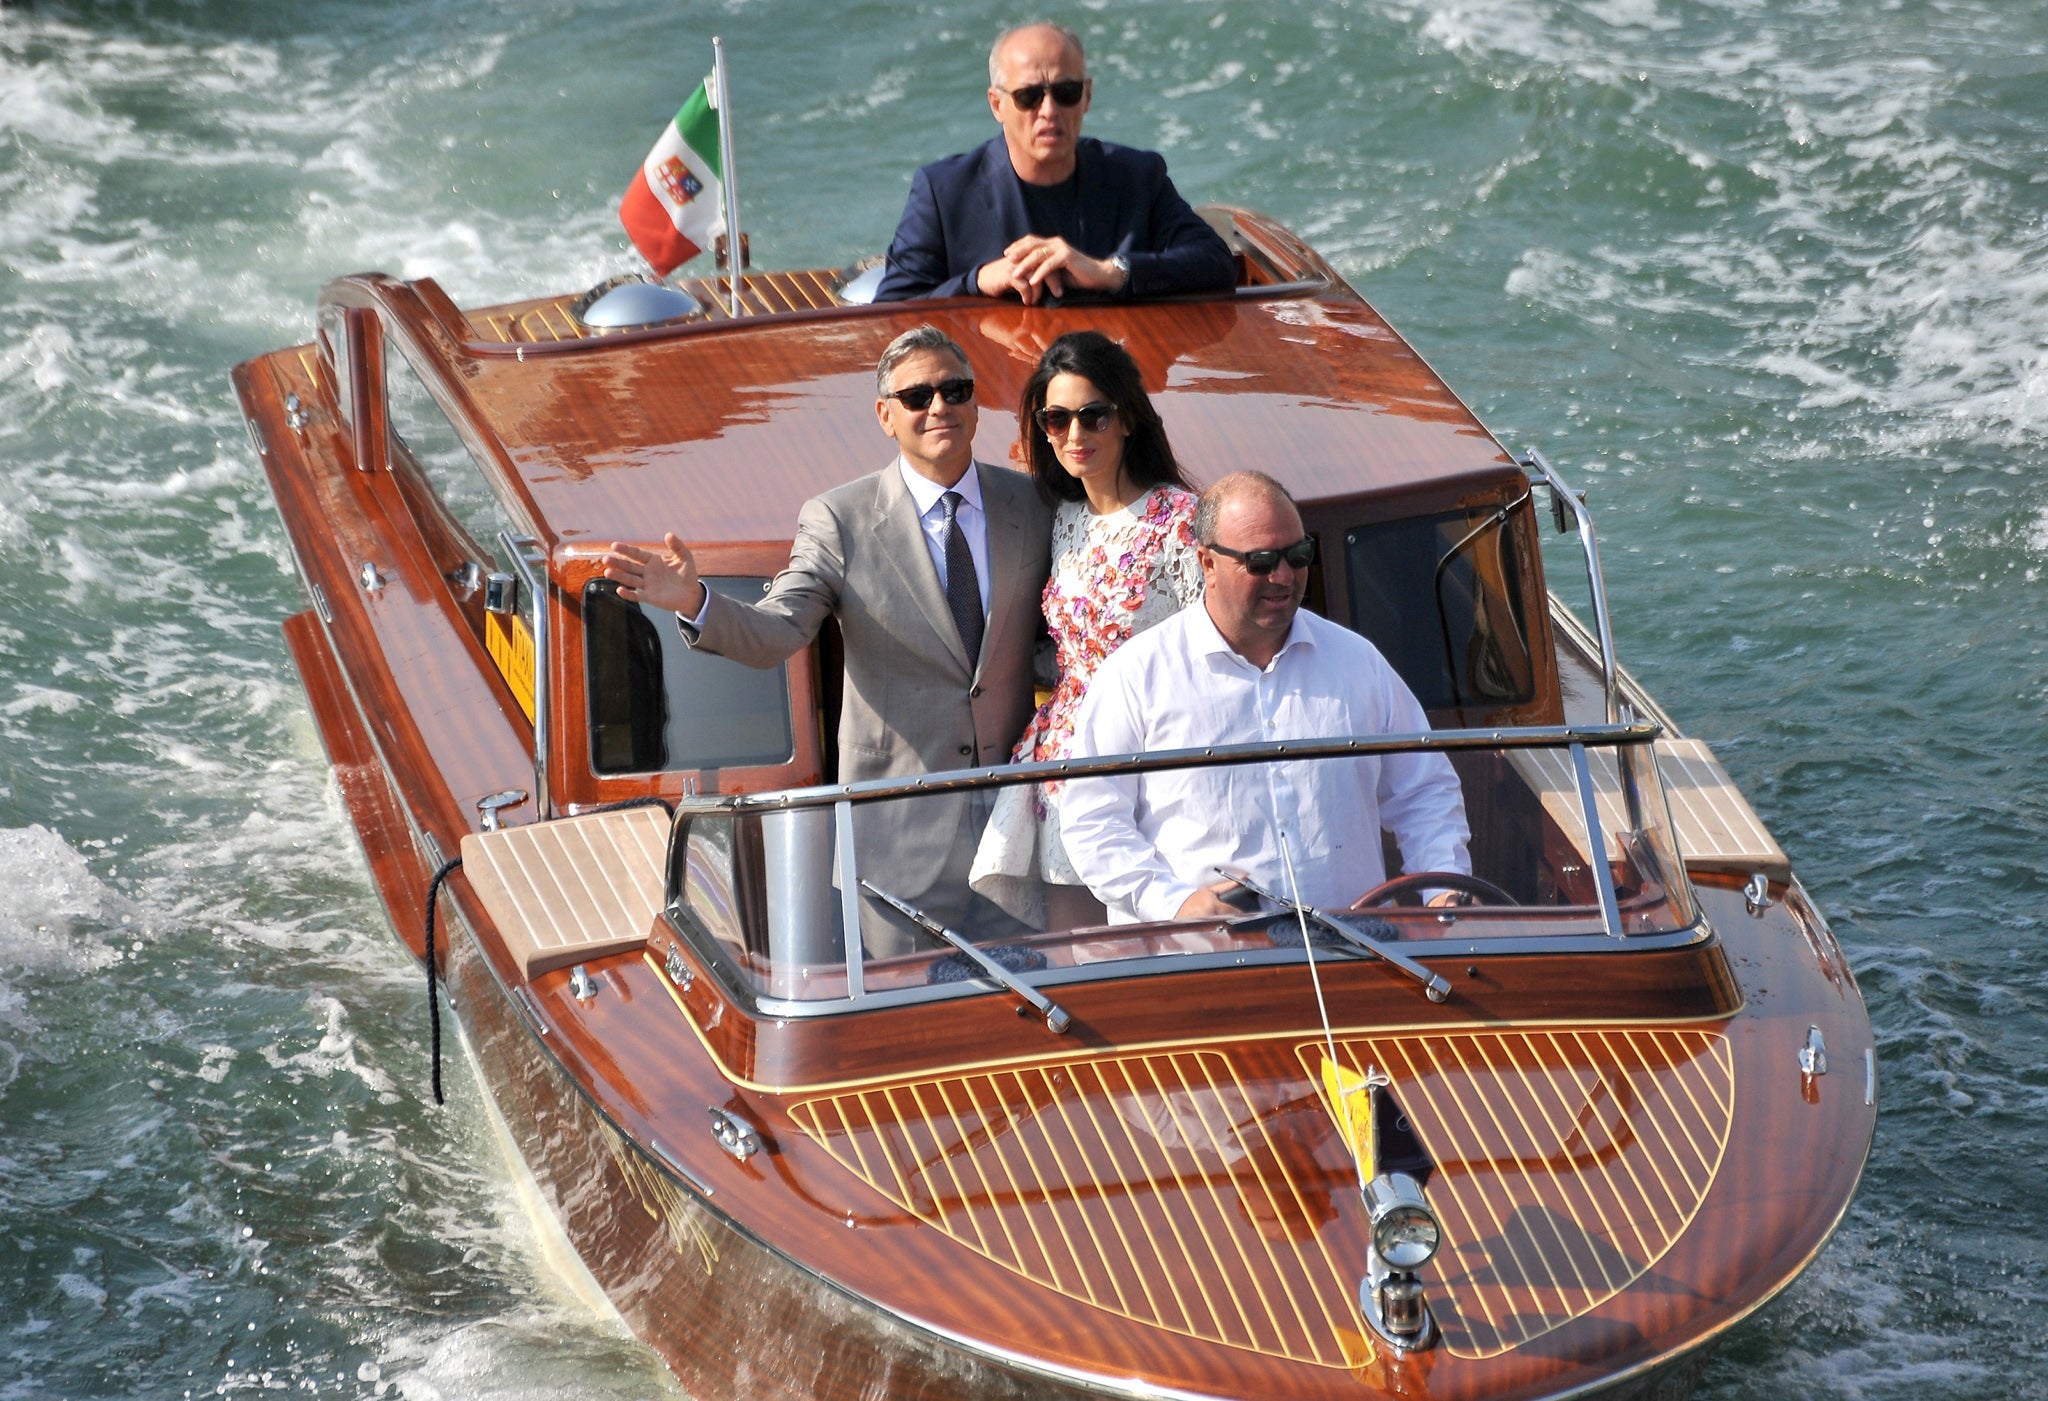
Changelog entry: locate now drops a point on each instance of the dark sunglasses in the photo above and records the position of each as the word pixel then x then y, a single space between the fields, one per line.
pixel 918 397
pixel 1054 422
pixel 1066 92
pixel 1300 555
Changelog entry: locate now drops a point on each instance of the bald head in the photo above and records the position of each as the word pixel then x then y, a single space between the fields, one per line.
pixel 1044 63
pixel 1249 486
pixel 1250 514
pixel 1039 29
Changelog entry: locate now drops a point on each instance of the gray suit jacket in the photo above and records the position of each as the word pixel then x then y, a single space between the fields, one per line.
pixel 911 705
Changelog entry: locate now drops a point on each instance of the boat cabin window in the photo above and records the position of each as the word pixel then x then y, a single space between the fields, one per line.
pixel 657 703
pixel 1441 597
pixel 422 432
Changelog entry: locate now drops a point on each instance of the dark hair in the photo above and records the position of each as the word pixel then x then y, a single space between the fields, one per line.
pixel 1148 458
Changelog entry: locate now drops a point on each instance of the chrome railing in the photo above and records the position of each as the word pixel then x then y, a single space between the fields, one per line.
pixel 811 872
pixel 527 557
pixel 1563 499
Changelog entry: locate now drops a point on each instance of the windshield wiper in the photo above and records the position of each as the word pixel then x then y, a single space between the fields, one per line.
pixel 1055 1020
pixel 1435 986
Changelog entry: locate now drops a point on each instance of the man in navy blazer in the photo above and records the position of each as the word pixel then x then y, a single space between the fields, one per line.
pixel 1042 211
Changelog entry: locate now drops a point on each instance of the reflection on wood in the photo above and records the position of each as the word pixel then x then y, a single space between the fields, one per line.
pixel 1567 1161
pixel 1159 1188
pixel 1148 1186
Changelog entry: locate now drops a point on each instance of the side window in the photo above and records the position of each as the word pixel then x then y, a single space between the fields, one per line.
pixel 334 341
pixel 1441 597
pixel 425 436
pixel 655 703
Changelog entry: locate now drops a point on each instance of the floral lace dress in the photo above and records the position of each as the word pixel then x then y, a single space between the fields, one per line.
pixel 1112 577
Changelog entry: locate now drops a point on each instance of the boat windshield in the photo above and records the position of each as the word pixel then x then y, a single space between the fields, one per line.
pixel 824 899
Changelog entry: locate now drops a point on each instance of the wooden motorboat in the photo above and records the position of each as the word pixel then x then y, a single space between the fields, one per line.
pixel 1625 1102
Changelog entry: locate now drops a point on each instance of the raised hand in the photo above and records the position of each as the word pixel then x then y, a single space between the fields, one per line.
pixel 666 578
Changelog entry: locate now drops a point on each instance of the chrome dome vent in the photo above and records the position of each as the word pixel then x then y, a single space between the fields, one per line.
pixel 632 301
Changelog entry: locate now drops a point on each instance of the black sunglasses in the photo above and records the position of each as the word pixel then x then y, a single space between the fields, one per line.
pixel 1300 555
pixel 918 397
pixel 1066 92
pixel 1054 422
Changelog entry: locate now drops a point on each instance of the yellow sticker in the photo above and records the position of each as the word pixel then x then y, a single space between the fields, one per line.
pixel 1350 1104
pixel 511 647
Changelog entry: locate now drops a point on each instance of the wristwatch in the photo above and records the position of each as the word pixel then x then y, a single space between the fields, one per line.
pixel 1123 267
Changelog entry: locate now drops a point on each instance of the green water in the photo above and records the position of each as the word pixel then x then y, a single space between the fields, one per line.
pixel 1771 279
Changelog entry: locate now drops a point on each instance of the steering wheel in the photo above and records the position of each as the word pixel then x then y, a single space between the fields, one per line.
pixel 1408 889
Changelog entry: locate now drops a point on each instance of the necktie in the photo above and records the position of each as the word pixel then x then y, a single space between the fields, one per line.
pixel 963 591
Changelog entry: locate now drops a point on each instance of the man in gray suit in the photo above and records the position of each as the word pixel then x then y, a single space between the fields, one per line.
pixel 933 567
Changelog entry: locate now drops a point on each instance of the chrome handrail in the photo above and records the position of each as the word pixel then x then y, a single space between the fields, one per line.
pixel 1212 756
pixel 1564 495
pixel 516 548
pixel 840 800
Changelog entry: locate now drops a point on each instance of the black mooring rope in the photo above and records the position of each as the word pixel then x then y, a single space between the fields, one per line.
pixel 434 892
pixel 434 1002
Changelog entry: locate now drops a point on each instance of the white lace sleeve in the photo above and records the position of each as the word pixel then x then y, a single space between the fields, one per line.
pixel 1180 569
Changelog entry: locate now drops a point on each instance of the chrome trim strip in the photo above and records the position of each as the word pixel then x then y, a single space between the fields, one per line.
pixel 1154 967
pixel 1603 874
pixel 1594 580
pixel 516 547
pixel 674 1165
pixel 1002 775
pixel 849 899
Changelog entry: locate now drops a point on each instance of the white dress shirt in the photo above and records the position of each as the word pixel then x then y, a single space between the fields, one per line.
pixel 931 514
pixel 1144 843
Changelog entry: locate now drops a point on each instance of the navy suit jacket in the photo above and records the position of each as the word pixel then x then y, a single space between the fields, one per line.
pixel 966 209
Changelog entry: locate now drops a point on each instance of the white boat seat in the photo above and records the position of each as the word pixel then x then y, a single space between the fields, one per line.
pixel 578 888
pixel 1717 829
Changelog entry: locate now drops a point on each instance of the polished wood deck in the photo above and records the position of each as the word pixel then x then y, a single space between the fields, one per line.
pixel 1167 1190
pixel 947 1200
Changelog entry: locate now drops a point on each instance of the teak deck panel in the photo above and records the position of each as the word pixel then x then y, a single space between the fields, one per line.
pixel 1717 829
pixel 579 888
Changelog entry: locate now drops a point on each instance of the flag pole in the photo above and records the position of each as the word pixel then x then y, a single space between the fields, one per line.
pixel 729 188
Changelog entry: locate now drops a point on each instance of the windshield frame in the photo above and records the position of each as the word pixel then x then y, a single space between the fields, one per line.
pixel 740 984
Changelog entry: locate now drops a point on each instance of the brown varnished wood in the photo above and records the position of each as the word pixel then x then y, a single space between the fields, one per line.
pixel 881 1243
pixel 1785 1215
pixel 1239 1003
pixel 365 791
pixel 745 421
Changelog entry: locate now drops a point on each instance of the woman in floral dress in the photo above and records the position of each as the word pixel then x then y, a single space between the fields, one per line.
pixel 1123 558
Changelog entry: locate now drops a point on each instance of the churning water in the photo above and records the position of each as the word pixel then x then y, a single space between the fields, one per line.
pixel 1769 276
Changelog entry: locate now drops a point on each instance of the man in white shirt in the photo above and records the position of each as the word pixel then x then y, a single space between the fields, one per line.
pixel 932 567
pixel 1249 665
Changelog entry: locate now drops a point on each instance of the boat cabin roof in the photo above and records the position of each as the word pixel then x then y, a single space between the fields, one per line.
pixel 744 419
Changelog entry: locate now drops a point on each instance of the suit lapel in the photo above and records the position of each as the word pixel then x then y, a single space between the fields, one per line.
pixel 903 545
pixel 1005 200
pixel 1095 193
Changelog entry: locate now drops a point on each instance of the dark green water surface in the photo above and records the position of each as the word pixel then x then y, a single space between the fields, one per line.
pixel 1770 278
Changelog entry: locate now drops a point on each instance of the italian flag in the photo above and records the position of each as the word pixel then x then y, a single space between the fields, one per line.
pixel 675 206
